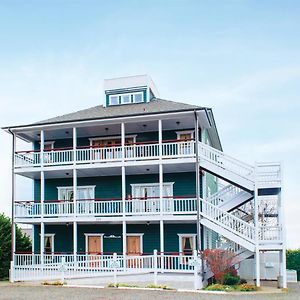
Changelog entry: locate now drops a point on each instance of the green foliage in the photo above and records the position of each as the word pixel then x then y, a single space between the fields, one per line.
pixel 219 287
pixel 246 287
pixel 293 261
pixel 23 243
pixel 59 283
pixel 158 286
pixel 122 285
pixel 229 279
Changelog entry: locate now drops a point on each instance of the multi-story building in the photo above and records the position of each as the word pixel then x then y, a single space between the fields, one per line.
pixel 135 175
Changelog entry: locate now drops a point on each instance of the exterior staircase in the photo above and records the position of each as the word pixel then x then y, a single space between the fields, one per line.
pixel 225 212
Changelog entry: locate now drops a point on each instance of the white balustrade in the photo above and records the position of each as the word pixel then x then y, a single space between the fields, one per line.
pixel 56 266
pixel 226 162
pixel 228 221
pixel 270 233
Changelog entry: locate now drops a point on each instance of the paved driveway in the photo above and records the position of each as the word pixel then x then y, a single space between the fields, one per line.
pixel 36 292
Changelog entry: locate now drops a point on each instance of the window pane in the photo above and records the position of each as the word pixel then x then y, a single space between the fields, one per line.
pixel 126 99
pixel 114 100
pixel 138 98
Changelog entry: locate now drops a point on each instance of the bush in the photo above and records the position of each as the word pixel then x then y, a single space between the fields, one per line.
pixel 229 279
pixel 243 281
pixel 158 286
pixel 23 243
pixel 247 288
pixel 293 261
pixel 219 287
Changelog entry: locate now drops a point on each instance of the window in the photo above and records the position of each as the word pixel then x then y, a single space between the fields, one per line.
pixel 126 99
pixel 113 100
pixel 138 97
pixel 49 243
pixel 83 192
pixel 187 243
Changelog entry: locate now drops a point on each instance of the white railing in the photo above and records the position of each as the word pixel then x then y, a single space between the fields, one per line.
pixel 225 194
pixel 268 174
pixel 104 154
pixel 228 221
pixel 226 162
pixel 29 158
pixel 94 207
pixel 59 266
pixel 270 233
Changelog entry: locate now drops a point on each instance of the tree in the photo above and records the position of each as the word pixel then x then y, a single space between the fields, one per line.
pixel 23 243
pixel 220 262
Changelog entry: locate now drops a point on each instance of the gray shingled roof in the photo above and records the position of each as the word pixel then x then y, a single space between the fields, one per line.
pixel 100 112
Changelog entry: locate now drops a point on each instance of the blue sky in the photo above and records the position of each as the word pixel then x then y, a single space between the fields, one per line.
pixel 239 57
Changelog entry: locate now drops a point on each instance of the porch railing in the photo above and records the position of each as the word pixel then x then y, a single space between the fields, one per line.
pixel 96 207
pixel 87 154
pixel 56 266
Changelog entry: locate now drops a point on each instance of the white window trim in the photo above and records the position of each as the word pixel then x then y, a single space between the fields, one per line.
pixel 51 235
pixel 112 138
pixel 132 98
pixel 141 235
pixel 185 132
pixel 87 235
pixel 135 185
pixel 109 99
pixel 59 188
pixel 181 235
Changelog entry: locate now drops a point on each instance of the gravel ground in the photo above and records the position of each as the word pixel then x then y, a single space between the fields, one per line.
pixel 33 292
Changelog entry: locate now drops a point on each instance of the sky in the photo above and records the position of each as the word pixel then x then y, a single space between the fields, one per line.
pixel 240 57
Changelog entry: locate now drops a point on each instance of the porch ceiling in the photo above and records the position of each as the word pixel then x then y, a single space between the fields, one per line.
pixel 179 121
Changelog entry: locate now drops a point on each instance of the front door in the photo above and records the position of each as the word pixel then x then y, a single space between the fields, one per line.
pixel 94 250
pixel 133 249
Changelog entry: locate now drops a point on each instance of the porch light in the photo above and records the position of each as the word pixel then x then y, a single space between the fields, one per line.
pixel 178 123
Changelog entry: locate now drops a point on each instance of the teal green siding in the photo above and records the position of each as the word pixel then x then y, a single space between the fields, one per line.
pixel 63 236
pixel 110 186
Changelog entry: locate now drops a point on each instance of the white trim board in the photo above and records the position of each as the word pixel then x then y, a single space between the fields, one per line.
pixel 141 240
pixel 87 235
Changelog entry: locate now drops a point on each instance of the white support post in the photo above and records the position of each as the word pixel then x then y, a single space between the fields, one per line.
pixel 42 242
pixel 75 240
pixel 13 199
pixel 124 235
pixel 282 278
pixel 160 168
pixel 124 191
pixel 115 268
pixel 32 243
pixel 74 144
pixel 123 140
pixel 256 223
pixel 162 245
pixel 197 277
pixel 155 266
pixel 75 191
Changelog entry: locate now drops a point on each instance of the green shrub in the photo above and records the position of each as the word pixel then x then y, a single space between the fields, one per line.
pixel 247 287
pixel 293 261
pixel 219 287
pixel 158 286
pixel 122 285
pixel 229 279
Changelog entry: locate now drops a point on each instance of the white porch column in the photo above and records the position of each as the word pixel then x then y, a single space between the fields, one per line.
pixel 282 267
pixel 256 224
pixel 197 171
pixel 123 140
pixel 13 198
pixel 160 167
pixel 74 171
pixel 74 239
pixel 124 235
pixel 162 243
pixel 42 242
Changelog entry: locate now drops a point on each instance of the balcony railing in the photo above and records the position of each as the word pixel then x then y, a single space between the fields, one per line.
pixel 136 151
pixel 97 207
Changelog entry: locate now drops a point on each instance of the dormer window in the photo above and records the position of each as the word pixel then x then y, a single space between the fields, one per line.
pixel 136 97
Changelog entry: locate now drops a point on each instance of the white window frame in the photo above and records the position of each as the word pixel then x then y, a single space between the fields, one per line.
pixel 51 235
pixel 60 188
pixel 87 235
pixel 138 93
pixel 110 96
pixel 137 185
pixel 141 235
pixel 185 132
pixel 122 98
pixel 186 235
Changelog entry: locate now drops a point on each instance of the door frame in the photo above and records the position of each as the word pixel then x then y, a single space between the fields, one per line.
pixel 87 235
pixel 114 137
pixel 141 240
